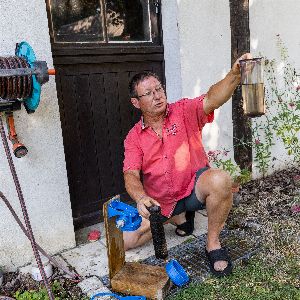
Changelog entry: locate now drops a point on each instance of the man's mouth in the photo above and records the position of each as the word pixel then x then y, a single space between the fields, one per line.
pixel 159 104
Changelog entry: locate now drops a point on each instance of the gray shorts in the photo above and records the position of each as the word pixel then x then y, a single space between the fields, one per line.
pixel 191 202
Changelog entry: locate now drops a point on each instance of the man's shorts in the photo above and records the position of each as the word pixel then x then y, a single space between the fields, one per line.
pixel 191 202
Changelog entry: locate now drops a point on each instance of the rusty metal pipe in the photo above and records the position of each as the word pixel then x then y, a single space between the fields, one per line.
pixel 19 149
pixel 51 72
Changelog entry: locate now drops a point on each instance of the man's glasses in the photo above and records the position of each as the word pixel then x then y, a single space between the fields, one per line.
pixel 150 94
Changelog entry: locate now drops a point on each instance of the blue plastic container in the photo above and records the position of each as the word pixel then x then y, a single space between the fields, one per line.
pixel 176 273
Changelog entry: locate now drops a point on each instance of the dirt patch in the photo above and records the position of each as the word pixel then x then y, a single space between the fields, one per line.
pixel 64 288
pixel 265 208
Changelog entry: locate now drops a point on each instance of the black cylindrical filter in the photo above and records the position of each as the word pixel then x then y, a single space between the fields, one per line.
pixel 158 233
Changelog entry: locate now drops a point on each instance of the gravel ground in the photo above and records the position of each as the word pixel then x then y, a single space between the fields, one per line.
pixel 267 207
pixel 270 208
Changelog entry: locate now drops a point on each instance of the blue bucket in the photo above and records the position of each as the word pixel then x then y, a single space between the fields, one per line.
pixel 176 273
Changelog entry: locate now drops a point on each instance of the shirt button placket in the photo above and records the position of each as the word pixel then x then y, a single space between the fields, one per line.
pixel 168 174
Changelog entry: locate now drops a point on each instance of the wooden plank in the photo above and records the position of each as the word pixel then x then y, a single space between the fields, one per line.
pixel 114 242
pixel 67 60
pixel 90 49
pixel 101 132
pixel 88 145
pixel 143 280
pixel 71 136
pixel 240 44
pixel 124 103
pixel 129 66
pixel 114 130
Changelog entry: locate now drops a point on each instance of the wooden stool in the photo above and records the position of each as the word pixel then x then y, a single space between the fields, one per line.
pixel 131 278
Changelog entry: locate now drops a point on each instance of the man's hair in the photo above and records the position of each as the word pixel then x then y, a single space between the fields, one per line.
pixel 136 79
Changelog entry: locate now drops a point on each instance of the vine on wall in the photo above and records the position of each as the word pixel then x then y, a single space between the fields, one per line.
pixel 280 123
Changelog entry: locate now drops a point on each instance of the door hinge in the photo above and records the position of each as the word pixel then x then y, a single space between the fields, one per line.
pixel 157 5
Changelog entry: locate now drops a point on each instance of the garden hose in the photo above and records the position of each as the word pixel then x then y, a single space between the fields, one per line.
pixel 118 297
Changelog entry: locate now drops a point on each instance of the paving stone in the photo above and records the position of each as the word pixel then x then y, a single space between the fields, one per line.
pixel 1 277
pixel 62 263
pixel 203 212
pixel 200 224
pixel 81 235
pixel 26 269
pixel 140 252
pixel 88 260
pixel 148 250
pixel 172 238
pixel 92 286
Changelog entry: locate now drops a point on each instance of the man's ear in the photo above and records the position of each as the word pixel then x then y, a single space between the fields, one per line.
pixel 135 102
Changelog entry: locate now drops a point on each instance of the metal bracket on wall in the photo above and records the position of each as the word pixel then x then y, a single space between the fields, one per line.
pixel 157 6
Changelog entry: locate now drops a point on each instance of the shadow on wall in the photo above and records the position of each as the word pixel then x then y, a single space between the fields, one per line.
pixel 205 59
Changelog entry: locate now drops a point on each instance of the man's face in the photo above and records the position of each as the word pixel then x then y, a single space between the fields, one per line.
pixel 151 98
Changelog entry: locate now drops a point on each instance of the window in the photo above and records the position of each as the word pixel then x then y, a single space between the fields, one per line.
pixel 111 21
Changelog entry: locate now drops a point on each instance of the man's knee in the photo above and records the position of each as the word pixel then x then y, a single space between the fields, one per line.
pixel 216 181
pixel 221 180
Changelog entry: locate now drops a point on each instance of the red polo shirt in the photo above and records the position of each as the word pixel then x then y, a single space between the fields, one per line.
pixel 169 164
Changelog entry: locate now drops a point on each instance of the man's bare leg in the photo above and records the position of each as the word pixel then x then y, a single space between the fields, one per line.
pixel 215 188
pixel 134 239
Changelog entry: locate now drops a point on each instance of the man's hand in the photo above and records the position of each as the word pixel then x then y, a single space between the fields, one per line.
pixel 236 66
pixel 221 92
pixel 144 203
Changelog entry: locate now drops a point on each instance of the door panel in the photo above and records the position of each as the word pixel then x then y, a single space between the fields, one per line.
pixel 96 116
pixel 96 112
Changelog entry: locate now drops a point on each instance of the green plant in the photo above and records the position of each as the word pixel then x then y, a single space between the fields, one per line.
pixel 58 290
pixel 286 122
pixel 33 295
pixel 263 141
pixel 219 160
pixel 282 119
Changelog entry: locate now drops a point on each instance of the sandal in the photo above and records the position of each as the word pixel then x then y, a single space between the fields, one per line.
pixel 218 255
pixel 188 226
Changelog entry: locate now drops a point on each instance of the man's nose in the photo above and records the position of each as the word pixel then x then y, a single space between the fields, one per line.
pixel 156 94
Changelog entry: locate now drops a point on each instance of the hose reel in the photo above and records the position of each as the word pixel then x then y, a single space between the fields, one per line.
pixel 21 78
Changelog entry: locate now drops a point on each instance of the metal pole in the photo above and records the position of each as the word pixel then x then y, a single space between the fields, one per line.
pixel 24 210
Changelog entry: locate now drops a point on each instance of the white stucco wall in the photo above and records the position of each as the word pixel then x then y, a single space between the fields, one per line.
pixel 203 35
pixel 269 18
pixel 205 58
pixel 171 49
pixel 42 173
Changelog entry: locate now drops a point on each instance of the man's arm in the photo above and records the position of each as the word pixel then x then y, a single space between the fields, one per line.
pixel 221 92
pixel 134 188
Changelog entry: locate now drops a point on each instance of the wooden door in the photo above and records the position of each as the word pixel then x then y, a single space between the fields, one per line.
pixel 97 47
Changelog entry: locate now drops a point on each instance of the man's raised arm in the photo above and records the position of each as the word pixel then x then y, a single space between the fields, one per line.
pixel 220 92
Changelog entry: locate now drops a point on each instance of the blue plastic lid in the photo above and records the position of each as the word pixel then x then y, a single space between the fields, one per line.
pixel 176 273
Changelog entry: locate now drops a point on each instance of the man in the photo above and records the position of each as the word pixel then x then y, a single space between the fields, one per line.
pixel 165 148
